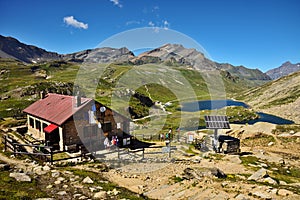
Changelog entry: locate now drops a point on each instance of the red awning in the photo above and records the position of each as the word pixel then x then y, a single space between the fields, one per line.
pixel 50 128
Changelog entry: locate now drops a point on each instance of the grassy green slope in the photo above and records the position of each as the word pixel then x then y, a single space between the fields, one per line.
pixel 21 83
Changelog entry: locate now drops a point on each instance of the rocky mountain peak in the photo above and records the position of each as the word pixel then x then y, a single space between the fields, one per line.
pixel 283 70
pixel 101 55
pixel 175 54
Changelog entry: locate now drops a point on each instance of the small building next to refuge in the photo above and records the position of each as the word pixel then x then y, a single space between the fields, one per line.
pixel 67 122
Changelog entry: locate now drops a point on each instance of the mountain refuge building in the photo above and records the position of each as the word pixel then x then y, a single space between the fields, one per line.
pixel 67 122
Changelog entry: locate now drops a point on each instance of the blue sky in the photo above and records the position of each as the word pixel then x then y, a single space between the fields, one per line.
pixel 255 33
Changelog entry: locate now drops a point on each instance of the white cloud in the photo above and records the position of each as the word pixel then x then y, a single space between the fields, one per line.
pixel 151 24
pixel 166 24
pixel 132 22
pixel 117 3
pixel 163 24
pixel 71 21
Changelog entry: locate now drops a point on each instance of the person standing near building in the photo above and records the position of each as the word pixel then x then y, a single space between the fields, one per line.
pixel 170 133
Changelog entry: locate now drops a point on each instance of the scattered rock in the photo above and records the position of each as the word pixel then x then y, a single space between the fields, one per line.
pixel 274 191
pixel 261 173
pixel 242 197
pixel 264 165
pixel 270 181
pixel 233 159
pixel 88 180
pixel 78 186
pixel 224 184
pixel 22 177
pixel 115 192
pixel 68 172
pixel 62 193
pixel 100 195
pixel 49 186
pixel 46 168
pixel 271 144
pixel 93 189
pixel 39 170
pixel 284 192
pixel 77 195
pixel 262 195
pixel 55 174
pixel 282 183
pixel 240 177
pixel 141 187
pixel 190 173
pixel 4 167
pixel 61 179
pixel 218 173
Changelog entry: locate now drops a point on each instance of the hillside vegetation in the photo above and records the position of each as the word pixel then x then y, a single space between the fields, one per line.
pixel 22 83
pixel 280 97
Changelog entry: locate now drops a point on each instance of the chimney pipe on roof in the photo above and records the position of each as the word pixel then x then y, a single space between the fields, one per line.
pixel 78 99
pixel 42 94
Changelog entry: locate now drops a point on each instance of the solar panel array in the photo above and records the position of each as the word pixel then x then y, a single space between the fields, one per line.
pixel 216 122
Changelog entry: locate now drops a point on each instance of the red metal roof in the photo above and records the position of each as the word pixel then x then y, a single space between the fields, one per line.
pixel 55 108
pixel 50 128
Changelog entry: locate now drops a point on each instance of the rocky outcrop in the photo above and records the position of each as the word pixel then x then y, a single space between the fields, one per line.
pixel 100 55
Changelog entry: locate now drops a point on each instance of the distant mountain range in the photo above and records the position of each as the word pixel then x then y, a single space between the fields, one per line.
pixel 285 69
pixel 170 54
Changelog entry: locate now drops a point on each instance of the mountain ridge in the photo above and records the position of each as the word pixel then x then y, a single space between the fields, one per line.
pixel 283 70
pixel 12 48
pixel 170 54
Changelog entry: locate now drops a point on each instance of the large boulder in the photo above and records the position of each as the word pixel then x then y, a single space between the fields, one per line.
pixel 258 175
pixel 21 177
pixel 88 180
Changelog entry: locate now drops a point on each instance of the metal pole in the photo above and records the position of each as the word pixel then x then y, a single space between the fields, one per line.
pixel 215 139
pixel 170 149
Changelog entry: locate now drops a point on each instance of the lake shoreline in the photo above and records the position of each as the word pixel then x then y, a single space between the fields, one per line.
pixel 219 104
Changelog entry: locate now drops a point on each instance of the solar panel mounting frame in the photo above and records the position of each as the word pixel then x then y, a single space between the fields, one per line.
pixel 216 122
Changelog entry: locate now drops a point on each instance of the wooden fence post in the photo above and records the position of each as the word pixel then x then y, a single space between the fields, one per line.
pixel 81 153
pixel 170 149
pixel 5 143
pixel 14 147
pixel 51 156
